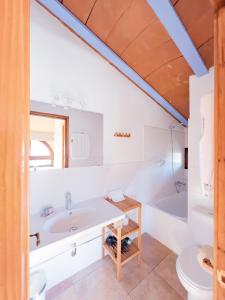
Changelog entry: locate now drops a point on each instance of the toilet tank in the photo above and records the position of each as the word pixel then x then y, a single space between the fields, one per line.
pixel 202 225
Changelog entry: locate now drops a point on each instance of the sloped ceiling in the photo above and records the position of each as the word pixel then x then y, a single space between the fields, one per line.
pixel 132 30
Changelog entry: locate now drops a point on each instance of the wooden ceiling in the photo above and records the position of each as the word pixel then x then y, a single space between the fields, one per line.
pixel 132 30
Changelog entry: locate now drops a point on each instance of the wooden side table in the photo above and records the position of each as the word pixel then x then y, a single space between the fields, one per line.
pixel 121 231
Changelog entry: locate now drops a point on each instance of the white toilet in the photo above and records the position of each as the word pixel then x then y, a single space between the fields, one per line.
pixel 197 282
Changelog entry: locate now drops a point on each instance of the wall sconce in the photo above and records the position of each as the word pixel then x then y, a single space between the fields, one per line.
pixel 122 134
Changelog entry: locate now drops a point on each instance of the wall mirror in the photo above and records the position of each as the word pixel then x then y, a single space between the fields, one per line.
pixel 64 137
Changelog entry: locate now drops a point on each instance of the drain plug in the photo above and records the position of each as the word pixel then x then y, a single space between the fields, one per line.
pixel 73 228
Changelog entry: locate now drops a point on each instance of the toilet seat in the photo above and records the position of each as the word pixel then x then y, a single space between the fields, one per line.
pixel 191 273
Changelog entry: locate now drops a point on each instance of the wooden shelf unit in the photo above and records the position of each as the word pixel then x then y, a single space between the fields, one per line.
pixel 122 231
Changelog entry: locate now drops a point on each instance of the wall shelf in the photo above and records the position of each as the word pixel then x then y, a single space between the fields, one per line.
pixel 122 231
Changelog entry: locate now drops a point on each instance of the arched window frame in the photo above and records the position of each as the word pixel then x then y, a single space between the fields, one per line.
pixel 45 157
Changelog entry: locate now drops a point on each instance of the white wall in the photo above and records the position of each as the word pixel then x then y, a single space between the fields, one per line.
pixel 62 64
pixel 199 87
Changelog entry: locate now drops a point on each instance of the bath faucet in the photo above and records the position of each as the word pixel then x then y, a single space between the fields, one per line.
pixel 179 185
pixel 68 201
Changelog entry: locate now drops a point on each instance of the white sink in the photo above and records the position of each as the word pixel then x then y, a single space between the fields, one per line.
pixel 70 221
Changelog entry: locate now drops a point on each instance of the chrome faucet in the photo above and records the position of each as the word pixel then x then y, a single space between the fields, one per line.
pixel 180 186
pixel 46 211
pixel 68 201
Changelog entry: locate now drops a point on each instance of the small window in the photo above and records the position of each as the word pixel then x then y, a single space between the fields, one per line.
pixel 48 147
pixel 41 154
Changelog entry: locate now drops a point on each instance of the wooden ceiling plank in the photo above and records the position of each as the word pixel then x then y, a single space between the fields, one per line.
pixel 145 60
pixel 59 11
pixel 105 15
pixel 134 21
pixel 80 8
pixel 172 81
pixel 169 18
pixel 171 75
pixel 179 100
pixel 197 17
pixel 150 50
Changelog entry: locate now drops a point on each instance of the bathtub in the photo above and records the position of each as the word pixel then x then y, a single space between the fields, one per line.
pixel 166 220
pixel 175 205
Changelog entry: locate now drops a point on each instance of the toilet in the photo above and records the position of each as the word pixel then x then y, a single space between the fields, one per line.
pixel 197 282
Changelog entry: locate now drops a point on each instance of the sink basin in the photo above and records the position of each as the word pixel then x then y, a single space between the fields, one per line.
pixel 70 221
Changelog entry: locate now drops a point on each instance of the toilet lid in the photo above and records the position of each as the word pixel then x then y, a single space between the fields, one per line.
pixel 191 271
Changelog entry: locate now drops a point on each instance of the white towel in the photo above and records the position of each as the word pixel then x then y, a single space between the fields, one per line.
pixel 206 144
pixel 116 195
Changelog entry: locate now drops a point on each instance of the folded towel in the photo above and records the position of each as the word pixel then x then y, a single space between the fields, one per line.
pixel 116 195
pixel 205 258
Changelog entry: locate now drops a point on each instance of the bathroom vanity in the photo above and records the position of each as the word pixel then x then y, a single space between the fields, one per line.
pixel 70 240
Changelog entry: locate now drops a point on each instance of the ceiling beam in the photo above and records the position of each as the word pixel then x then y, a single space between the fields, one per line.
pixel 175 28
pixel 64 15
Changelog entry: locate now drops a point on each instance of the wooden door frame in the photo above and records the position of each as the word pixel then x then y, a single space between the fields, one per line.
pixel 14 149
pixel 219 161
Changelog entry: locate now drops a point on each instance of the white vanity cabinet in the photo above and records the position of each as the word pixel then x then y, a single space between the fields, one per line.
pixel 71 260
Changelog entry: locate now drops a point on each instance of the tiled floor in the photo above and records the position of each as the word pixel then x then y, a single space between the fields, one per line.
pixel 154 279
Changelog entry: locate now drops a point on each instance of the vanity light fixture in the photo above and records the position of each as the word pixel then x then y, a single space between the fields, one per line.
pixel 67 100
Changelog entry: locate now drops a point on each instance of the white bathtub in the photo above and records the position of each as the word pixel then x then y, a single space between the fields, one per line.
pixel 175 205
pixel 166 221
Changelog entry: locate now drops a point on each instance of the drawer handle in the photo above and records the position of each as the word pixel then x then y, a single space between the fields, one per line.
pixel 74 251
pixel 221 278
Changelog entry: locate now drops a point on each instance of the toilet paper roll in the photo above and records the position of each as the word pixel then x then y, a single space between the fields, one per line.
pixel 205 258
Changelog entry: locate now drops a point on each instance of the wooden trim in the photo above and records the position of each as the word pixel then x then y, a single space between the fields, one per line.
pixel 219 178
pixel 14 149
pixel 48 115
pixel 65 135
pixel 64 148
pixel 118 256
pixel 139 242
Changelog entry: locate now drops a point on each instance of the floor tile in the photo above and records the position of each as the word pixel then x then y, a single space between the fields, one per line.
pixel 167 271
pixel 154 288
pixel 102 263
pixel 133 274
pixel 60 288
pixel 100 284
pixel 153 252
pixel 67 294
